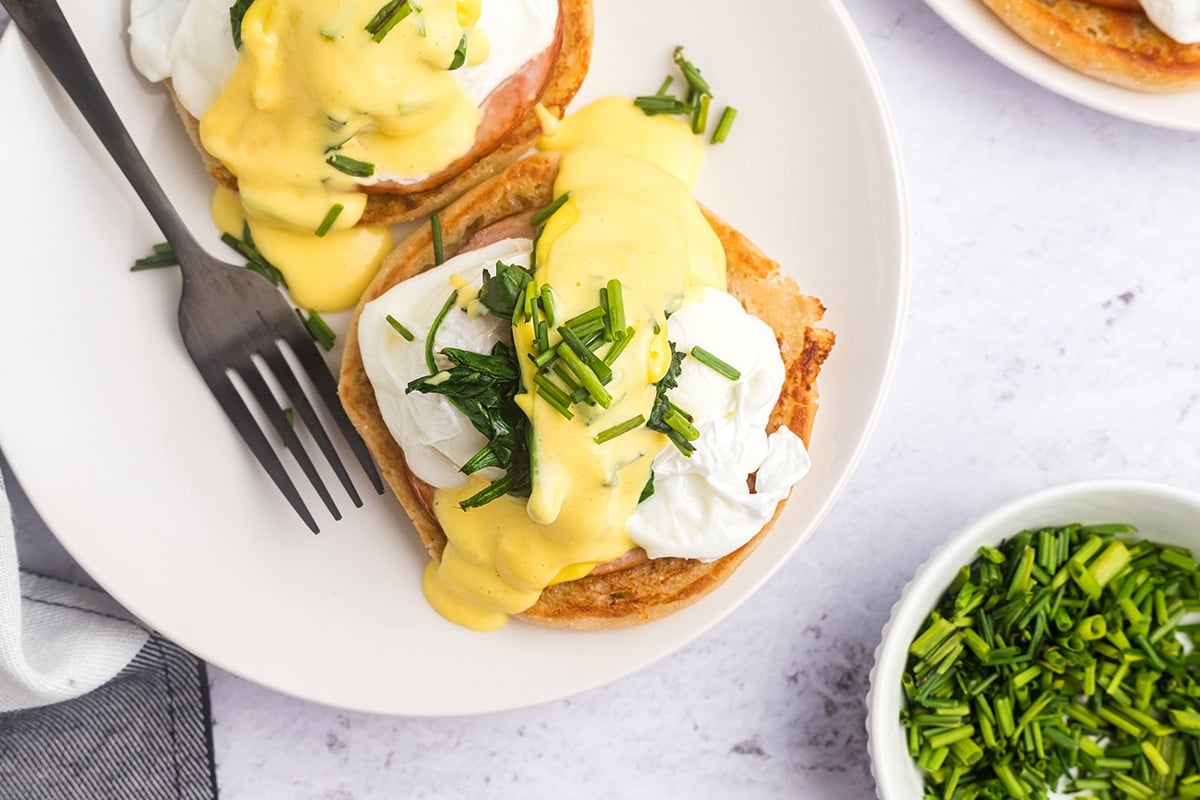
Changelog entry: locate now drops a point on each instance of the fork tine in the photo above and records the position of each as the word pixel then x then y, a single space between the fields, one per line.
pixel 318 372
pixel 270 406
pixel 299 400
pixel 239 414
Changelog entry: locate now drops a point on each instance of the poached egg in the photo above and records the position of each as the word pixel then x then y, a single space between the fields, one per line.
pixel 320 102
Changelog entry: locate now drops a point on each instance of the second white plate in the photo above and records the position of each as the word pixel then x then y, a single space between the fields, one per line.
pixel 984 29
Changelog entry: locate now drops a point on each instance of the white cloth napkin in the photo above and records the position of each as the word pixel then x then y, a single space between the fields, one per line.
pixel 57 640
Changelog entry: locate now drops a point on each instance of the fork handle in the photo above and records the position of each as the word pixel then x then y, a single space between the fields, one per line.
pixel 43 24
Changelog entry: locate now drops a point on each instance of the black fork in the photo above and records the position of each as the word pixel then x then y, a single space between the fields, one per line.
pixel 233 321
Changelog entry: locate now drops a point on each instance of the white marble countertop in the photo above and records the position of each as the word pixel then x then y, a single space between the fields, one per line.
pixel 1052 336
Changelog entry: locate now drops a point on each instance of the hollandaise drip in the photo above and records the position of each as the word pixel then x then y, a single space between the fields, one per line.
pixel 625 219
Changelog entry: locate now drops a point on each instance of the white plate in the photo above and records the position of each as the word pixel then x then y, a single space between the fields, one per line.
pixel 971 18
pixel 131 463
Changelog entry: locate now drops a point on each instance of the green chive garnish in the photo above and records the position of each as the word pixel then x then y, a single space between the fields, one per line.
pixel 654 104
pixel 617 430
pixel 681 426
pixel 700 114
pixel 326 224
pixel 164 256
pixel 318 329
pixel 576 344
pixel 616 309
pixel 495 490
pixel 290 416
pixel 255 260
pixel 618 347
pixel 433 329
pixel 553 395
pixel 666 84
pixel 387 18
pixel 549 306
pixel 723 126
pixel 539 219
pixel 460 54
pixel 351 166
pixel 399 327
pixel 690 73
pixel 584 374
pixel 435 226
pixel 717 365
pixel 581 320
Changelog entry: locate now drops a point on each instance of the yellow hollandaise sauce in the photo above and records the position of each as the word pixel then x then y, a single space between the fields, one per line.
pixel 625 219
pixel 325 98
pixel 327 273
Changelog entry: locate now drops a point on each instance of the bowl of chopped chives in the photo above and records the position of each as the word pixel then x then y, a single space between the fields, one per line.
pixel 1047 651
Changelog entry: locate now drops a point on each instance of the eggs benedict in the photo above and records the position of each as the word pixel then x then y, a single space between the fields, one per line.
pixel 1144 45
pixel 594 409
pixel 331 119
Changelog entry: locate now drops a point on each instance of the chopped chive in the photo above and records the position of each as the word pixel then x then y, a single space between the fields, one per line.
pixel 602 371
pixel 653 104
pixel 460 54
pixel 680 425
pixel 724 125
pixel 495 490
pixel 256 261
pixel 351 166
pixel 433 329
pixel 616 308
pixel 549 305
pixel 712 362
pixel 164 256
pixel 584 374
pixel 580 320
pixel 435 227
pixel 618 347
pixel 617 430
pixel 399 327
pixel 666 84
pixel 318 329
pixel 387 18
pixel 290 416
pixel 566 377
pixel 553 395
pixel 541 217
pixel 326 224
pixel 700 114
pixel 690 73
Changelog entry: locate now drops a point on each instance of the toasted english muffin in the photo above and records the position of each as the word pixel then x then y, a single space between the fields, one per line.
pixel 513 127
pixel 634 589
pixel 1122 47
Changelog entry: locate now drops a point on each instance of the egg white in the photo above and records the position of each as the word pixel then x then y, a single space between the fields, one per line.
pixel 701 507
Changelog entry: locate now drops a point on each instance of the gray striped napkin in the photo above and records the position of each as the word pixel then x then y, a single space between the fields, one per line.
pixel 137 722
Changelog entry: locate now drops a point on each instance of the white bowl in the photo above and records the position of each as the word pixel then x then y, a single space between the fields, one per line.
pixel 1160 513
